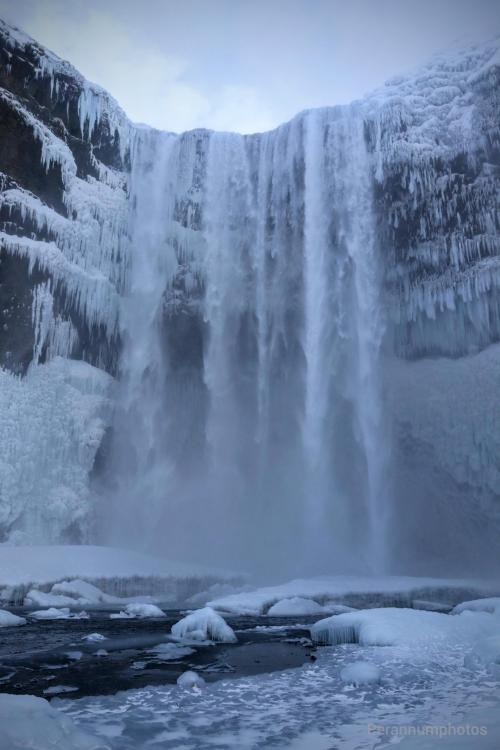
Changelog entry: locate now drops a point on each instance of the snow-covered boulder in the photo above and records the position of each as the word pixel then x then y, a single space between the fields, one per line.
pixel 296 605
pixel 7 619
pixel 139 610
pixel 36 598
pixel 190 680
pixel 204 625
pixel 74 593
pixel 30 722
pixel 361 673
pixel 490 604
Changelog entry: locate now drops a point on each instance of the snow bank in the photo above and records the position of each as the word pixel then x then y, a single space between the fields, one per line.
pixel 361 673
pixel 30 722
pixel 190 680
pixel 489 604
pixel 204 625
pixel 7 619
pixel 296 605
pixel 402 627
pixel 138 610
pixel 363 589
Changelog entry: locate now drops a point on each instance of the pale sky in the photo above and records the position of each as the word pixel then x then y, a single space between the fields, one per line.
pixel 245 65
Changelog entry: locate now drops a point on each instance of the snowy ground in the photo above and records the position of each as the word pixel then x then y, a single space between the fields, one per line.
pixel 310 708
pixel 423 679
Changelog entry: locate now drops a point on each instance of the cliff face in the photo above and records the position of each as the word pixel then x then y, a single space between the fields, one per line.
pixel 63 193
pixel 342 269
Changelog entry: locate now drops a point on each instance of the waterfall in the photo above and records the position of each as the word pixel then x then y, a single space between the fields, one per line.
pixel 250 403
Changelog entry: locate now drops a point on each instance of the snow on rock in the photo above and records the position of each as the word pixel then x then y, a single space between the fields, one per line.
pixel 327 590
pixel 82 591
pixel 54 613
pixel 488 604
pixel 391 626
pixel 139 610
pixel 204 625
pixel 361 673
pixel 7 619
pixel 296 605
pixel 30 722
pixel 190 680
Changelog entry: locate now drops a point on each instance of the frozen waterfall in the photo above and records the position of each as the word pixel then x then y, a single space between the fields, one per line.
pixel 250 401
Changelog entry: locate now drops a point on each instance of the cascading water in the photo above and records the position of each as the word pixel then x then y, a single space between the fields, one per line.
pixel 249 419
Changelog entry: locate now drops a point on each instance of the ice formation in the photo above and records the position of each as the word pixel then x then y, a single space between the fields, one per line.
pixel 190 680
pixel 411 628
pixel 204 625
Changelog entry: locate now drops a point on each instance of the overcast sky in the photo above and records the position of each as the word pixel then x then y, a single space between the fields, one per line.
pixel 245 65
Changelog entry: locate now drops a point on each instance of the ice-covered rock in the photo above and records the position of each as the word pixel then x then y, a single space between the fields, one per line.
pixel 30 722
pixel 488 604
pixel 190 680
pixel 295 606
pixel 204 625
pixel 7 619
pixel 361 673
pixel 393 626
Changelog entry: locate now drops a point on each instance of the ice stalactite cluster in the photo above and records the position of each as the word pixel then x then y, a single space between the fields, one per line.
pixel 71 238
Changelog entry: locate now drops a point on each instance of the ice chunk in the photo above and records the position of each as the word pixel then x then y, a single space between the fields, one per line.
pixel 94 637
pixel 361 673
pixel 490 604
pixel 7 619
pixel 190 680
pixel 30 722
pixel 202 625
pixel 296 605
pixel 58 614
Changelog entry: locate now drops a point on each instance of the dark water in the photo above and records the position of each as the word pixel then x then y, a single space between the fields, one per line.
pixel 43 657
